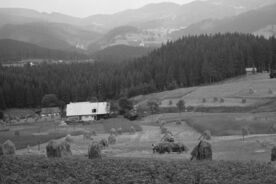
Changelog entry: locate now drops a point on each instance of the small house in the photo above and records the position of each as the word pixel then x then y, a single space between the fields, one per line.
pixel 87 111
pixel 50 112
pixel 250 71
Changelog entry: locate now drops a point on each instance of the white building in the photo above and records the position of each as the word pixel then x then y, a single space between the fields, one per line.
pixel 87 111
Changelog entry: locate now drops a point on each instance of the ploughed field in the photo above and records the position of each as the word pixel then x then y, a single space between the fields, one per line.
pixel 37 169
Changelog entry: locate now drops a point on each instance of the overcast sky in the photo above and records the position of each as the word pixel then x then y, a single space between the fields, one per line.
pixel 82 8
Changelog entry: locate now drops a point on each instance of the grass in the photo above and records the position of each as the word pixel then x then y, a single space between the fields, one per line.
pixel 120 123
pixel 223 125
pixel 34 169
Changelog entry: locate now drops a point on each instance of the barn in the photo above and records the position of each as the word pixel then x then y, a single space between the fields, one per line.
pixel 87 111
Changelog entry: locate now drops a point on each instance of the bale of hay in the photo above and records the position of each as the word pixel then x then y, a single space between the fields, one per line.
pixel 273 154
pixel 93 133
pixel 1 150
pixel 17 133
pixel 215 99
pixel 244 100
pixel 111 139
pixel 69 139
pixel 94 151
pixel 103 143
pixel 270 91
pixel 252 91
pixel 120 131
pixel 8 148
pixel 113 131
pixel 55 149
pixel 202 151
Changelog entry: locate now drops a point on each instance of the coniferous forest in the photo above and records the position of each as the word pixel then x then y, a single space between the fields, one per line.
pixel 189 61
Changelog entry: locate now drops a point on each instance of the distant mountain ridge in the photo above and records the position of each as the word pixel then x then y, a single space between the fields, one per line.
pixel 13 51
pixel 248 22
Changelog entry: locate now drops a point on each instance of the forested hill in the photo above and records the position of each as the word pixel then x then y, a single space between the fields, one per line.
pixel 12 50
pixel 187 62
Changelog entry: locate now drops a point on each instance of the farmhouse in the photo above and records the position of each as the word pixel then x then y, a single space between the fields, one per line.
pixel 250 71
pixel 50 112
pixel 87 111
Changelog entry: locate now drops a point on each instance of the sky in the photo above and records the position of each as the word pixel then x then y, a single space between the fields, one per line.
pixel 81 8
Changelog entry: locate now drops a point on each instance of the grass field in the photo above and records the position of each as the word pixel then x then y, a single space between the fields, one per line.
pixel 25 170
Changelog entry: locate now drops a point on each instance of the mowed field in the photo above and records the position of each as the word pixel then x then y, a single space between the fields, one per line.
pixel 257 89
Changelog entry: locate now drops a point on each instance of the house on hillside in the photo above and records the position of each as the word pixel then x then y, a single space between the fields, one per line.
pixel 250 71
pixel 50 112
pixel 87 111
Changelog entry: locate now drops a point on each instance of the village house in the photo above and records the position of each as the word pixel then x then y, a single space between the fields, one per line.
pixel 50 112
pixel 250 71
pixel 87 111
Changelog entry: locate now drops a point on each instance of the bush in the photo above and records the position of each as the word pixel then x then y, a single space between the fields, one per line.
pixel 113 131
pixel 103 143
pixel 69 139
pixel 207 135
pixel 132 130
pixel 111 139
pixel 119 131
pixel 204 100
pixel 1 150
pixel 221 100
pixel 93 133
pixel 8 148
pixel 94 151
pixel 270 91
pixel 251 91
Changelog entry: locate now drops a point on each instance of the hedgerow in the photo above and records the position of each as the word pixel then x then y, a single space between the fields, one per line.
pixel 25 169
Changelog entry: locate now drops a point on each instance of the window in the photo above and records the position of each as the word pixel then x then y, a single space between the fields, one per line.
pixel 94 110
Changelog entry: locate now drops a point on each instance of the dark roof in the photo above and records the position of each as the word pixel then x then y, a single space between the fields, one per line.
pixel 50 110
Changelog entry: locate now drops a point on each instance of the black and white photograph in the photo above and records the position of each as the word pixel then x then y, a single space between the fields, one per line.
pixel 137 91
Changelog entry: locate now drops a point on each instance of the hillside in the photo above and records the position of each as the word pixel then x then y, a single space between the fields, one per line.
pixel 119 53
pixel 50 35
pixel 248 22
pixel 12 50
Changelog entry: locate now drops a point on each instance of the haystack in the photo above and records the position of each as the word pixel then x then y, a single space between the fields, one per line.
pixel 103 143
pixel 273 154
pixel 111 139
pixel 202 151
pixel 55 149
pixel 8 148
pixel 94 151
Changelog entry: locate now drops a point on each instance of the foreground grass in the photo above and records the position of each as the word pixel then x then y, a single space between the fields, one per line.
pixel 26 169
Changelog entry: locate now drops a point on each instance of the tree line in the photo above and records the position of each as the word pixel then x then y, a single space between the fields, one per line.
pixel 189 61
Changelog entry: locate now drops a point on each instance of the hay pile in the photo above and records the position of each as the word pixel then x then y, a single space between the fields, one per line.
pixel 94 151
pixel 103 143
pixel 56 149
pixel 8 148
pixel 202 151
pixel 111 139
pixel 273 154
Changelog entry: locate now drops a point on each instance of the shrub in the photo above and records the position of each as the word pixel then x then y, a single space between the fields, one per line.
pixel 94 151
pixel 93 133
pixel 178 122
pixel 8 148
pixel 221 100
pixel 164 130
pixel 207 135
pixel 132 130
pixel 111 139
pixel 270 91
pixel 251 91
pixel 170 102
pixel 204 100
pixel 1 150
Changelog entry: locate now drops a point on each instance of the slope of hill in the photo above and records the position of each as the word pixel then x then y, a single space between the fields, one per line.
pixel 11 50
pixel 50 35
pixel 248 22
pixel 119 53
